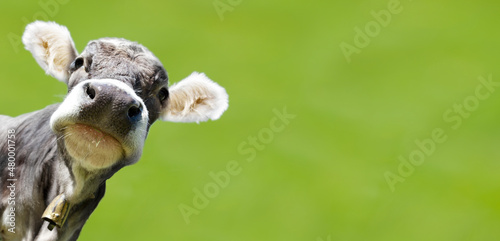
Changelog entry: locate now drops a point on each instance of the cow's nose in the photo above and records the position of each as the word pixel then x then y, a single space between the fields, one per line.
pixel 111 102
pixel 89 90
pixel 135 111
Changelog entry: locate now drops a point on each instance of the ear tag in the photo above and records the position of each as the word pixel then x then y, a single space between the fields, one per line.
pixel 57 212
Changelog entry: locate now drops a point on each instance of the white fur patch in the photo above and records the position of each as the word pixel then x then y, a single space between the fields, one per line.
pixel 71 104
pixel 52 47
pixel 194 99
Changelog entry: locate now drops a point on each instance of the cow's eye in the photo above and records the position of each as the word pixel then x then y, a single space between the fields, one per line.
pixel 163 94
pixel 76 64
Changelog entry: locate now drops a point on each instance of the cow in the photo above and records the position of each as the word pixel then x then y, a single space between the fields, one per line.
pixel 54 162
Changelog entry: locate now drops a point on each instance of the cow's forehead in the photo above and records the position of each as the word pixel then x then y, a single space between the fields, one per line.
pixel 114 45
pixel 113 51
pixel 125 60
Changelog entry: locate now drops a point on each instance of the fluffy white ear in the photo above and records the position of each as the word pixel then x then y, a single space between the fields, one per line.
pixel 51 46
pixel 194 99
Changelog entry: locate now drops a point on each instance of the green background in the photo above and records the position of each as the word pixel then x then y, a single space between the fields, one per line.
pixel 322 177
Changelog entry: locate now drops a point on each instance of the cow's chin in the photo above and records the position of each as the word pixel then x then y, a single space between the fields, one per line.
pixel 91 147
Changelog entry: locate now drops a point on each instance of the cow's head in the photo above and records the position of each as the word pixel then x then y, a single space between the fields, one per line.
pixel 116 90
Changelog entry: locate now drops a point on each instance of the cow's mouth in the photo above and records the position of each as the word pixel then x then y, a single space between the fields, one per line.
pixel 93 148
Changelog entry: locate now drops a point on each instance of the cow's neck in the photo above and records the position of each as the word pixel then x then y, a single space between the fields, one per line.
pixel 77 183
pixel 85 184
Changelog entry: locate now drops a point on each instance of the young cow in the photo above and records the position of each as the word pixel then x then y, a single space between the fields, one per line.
pixel 55 162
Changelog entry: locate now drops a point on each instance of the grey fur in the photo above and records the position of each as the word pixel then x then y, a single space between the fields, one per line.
pixel 44 168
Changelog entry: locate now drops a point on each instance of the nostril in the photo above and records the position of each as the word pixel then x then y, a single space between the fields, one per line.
pixel 90 91
pixel 134 111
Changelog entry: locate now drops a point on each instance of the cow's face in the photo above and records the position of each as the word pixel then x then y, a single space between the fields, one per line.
pixel 116 90
pixel 127 62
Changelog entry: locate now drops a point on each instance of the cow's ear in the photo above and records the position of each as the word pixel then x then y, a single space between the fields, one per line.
pixel 51 46
pixel 194 99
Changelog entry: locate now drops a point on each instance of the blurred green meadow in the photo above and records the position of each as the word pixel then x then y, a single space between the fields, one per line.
pixel 393 127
